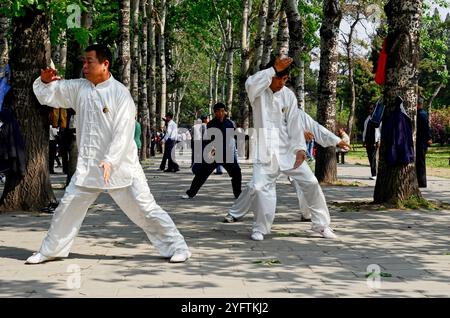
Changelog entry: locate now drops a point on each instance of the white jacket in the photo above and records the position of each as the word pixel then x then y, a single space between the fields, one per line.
pixel 275 121
pixel 105 128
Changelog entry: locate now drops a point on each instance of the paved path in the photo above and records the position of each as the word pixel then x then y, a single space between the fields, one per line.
pixel 112 258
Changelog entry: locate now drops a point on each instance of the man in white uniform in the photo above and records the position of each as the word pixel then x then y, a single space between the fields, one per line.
pixel 107 159
pixel 323 137
pixel 280 148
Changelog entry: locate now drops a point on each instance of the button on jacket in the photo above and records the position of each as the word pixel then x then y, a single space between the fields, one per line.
pixel 105 128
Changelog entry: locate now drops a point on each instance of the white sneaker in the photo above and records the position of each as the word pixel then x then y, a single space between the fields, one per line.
pixel 180 256
pixel 38 258
pixel 373 178
pixel 257 236
pixel 328 233
pixel 186 197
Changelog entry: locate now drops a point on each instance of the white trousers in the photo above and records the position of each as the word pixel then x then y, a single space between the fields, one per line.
pixel 136 201
pixel 260 196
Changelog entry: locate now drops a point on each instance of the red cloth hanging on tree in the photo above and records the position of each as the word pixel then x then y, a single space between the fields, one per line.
pixel 380 75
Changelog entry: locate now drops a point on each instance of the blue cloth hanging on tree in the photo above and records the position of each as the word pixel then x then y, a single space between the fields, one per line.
pixel 5 74
pixel 396 134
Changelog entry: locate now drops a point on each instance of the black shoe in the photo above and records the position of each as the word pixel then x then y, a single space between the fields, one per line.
pixel 50 208
pixel 303 219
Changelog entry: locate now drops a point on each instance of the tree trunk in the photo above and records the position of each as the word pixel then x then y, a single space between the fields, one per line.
pixel 436 92
pixel 259 39
pixel 283 32
pixel 349 49
pixel 326 108
pixel 245 65
pixel 143 100
pixel 154 122
pixel 162 59
pixel 124 43
pixel 398 183
pixel 4 28
pixel 268 34
pixel 211 80
pixel 30 52
pixel 135 51
pixel 219 58
pixel 296 44
pixel 63 52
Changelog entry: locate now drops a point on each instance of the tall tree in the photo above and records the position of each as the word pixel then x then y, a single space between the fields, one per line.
pixel 326 108
pixel 4 28
pixel 259 38
pixel 398 183
pixel 29 54
pixel 151 75
pixel 143 100
pixel 268 34
pixel 283 32
pixel 124 43
pixel 296 44
pixel 135 51
pixel 245 65
pixel 162 57
pixel 348 39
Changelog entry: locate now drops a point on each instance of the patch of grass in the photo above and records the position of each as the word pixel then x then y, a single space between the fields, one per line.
pixel 344 183
pixel 413 203
pixel 437 156
pixel 268 262
pixel 416 203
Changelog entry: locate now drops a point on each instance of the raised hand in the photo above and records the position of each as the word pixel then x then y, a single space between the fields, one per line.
pixel 49 75
pixel 281 63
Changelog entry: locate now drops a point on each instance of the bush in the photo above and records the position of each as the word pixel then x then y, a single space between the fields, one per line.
pixel 440 125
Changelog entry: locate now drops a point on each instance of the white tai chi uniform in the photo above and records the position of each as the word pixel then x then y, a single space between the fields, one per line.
pixel 279 136
pixel 323 137
pixel 105 132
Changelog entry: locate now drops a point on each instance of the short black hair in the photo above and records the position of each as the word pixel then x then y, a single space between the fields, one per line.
pixel 281 73
pixel 169 114
pixel 219 106
pixel 102 51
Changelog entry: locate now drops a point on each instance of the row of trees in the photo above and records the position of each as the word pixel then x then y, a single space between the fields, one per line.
pixel 185 55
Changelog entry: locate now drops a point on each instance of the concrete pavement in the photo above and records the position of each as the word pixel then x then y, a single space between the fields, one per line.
pixel 112 257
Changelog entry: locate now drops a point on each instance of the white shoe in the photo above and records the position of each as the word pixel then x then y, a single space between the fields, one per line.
pixel 180 256
pixel 257 236
pixel 328 233
pixel 373 178
pixel 186 197
pixel 38 258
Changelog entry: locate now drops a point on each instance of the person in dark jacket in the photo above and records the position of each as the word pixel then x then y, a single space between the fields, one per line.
pixel 423 140
pixel 220 149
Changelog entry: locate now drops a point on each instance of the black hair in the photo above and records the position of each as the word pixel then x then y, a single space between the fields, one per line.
pixel 169 114
pixel 281 73
pixel 102 51
pixel 219 106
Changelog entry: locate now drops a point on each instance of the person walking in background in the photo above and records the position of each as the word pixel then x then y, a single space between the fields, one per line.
pixel 107 159
pixel 423 141
pixel 170 140
pixel 371 140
